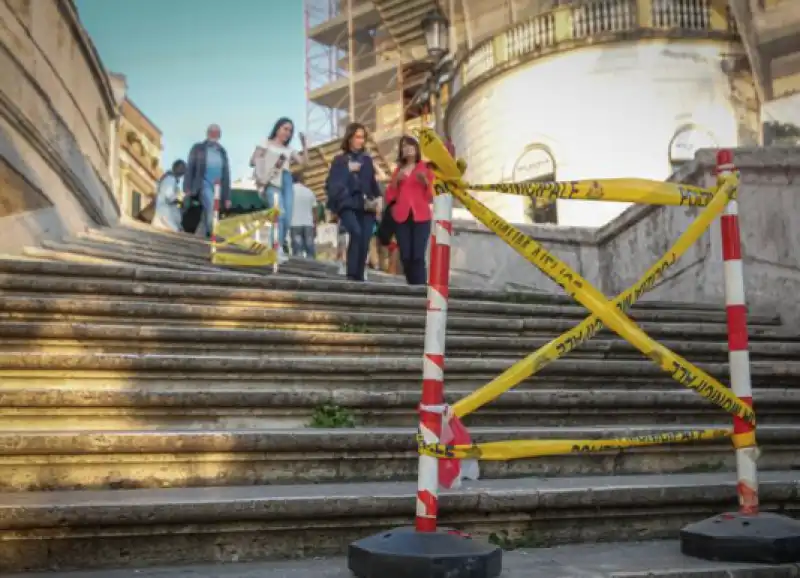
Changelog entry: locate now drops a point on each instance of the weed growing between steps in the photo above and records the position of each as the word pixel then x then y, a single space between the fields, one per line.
pixel 504 540
pixel 331 416
pixel 354 328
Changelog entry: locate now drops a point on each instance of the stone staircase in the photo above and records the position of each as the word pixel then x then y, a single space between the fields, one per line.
pixel 159 410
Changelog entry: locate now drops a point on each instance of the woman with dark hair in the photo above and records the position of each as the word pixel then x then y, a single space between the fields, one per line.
pixel 353 195
pixel 409 197
pixel 271 162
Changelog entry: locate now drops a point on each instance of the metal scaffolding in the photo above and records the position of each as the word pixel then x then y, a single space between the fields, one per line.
pixel 354 72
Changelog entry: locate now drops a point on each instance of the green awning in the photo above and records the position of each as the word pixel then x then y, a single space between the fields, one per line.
pixel 246 201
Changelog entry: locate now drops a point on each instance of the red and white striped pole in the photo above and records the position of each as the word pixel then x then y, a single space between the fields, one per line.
pixel 432 405
pixel 738 355
pixel 215 217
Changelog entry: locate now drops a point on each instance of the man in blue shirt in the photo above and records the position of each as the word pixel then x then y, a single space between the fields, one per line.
pixel 207 165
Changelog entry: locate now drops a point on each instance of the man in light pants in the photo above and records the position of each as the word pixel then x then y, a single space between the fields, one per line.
pixel 303 226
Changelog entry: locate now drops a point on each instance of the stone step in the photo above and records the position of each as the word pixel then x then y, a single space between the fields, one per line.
pixel 49 404
pixel 376 367
pixel 135 239
pixel 69 460
pixel 65 308
pixel 122 338
pixel 69 257
pixel 120 256
pixel 35 285
pixel 114 528
pixel 160 274
pixel 640 559
pixel 200 256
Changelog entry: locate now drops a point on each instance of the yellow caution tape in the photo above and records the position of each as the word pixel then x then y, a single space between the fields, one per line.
pixel 249 230
pixel 640 191
pixel 229 226
pixel 519 449
pixel 241 260
pixel 588 328
pixel 744 440
pixel 261 255
pixel 577 287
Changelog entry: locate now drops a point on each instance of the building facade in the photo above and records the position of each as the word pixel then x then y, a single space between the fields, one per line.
pixel 614 88
pixel 138 148
pixel 570 89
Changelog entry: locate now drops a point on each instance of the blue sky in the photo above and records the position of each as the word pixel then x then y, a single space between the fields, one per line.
pixel 189 63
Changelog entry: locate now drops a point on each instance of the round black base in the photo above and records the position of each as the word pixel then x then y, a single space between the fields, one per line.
pixel 405 553
pixel 760 538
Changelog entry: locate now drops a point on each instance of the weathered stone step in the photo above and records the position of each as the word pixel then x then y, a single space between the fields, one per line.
pixel 108 528
pixel 52 336
pixel 74 253
pixel 640 559
pixel 377 366
pixel 68 460
pixel 200 257
pixel 164 246
pixel 159 274
pixel 35 285
pixel 101 405
pixel 35 307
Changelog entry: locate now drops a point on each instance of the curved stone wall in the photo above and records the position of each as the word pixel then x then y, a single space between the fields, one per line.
pixel 56 108
pixel 603 111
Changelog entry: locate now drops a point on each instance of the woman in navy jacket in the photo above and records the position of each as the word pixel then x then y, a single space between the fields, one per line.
pixel 353 195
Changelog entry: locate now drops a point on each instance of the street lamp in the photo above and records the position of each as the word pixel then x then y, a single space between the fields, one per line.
pixel 437 34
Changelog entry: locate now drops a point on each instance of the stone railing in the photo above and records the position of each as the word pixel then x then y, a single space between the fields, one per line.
pixel 589 21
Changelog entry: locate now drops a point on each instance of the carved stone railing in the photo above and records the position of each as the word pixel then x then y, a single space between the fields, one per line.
pixel 588 21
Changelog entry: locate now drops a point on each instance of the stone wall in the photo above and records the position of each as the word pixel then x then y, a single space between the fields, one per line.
pixel 613 257
pixel 55 111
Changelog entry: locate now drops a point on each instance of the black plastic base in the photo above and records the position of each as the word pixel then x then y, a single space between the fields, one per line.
pixel 761 538
pixel 405 553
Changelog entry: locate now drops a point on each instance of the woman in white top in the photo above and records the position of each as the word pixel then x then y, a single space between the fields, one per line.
pixel 271 162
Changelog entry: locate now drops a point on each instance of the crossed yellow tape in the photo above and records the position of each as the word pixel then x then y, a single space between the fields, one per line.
pixel 448 173
pixel 260 255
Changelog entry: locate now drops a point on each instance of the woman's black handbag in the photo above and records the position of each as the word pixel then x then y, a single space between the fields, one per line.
pixel 387 226
pixel 192 215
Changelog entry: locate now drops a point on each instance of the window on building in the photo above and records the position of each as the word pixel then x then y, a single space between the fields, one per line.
pixel 537 164
pixel 685 143
pixel 136 203
pixel 781 133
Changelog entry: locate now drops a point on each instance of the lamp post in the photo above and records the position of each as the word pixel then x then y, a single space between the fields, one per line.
pixel 437 39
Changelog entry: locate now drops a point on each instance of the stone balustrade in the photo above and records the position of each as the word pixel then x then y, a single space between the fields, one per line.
pixel 583 23
pixel 613 257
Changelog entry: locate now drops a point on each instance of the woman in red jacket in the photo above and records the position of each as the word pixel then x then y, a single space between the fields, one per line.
pixel 409 197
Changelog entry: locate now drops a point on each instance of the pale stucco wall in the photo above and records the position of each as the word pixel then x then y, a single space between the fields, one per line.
pixel 608 110
pixel 615 256
pixel 55 112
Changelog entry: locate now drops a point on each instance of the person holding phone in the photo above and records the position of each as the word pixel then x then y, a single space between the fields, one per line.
pixel 353 195
pixel 271 162
pixel 408 199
